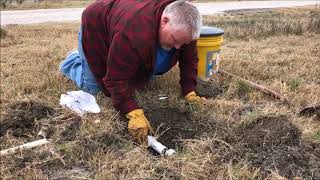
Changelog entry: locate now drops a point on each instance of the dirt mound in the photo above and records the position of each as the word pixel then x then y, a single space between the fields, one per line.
pixel 269 132
pixel 21 118
pixel 174 126
pixel 274 144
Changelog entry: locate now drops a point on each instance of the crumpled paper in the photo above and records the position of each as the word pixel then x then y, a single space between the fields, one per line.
pixel 80 102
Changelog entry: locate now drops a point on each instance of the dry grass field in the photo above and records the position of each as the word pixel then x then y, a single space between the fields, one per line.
pixel 240 134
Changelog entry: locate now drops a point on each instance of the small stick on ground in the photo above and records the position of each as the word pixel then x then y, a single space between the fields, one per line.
pixel 259 87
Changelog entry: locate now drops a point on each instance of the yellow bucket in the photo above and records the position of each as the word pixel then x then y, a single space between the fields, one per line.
pixel 209 45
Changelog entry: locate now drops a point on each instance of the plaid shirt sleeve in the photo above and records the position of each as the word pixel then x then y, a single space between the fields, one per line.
pixel 123 63
pixel 188 63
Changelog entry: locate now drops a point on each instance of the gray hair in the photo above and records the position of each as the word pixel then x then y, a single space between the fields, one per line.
pixel 183 14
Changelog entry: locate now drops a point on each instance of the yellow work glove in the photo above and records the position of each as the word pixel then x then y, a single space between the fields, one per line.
pixel 192 97
pixel 138 126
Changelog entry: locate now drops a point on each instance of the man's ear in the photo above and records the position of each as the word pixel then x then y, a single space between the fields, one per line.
pixel 164 20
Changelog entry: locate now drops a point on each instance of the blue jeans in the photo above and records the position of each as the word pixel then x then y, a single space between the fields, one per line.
pixel 76 68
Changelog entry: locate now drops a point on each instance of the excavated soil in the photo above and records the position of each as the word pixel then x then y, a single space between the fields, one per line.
pixel 274 144
pixel 268 143
pixel 174 126
pixel 23 119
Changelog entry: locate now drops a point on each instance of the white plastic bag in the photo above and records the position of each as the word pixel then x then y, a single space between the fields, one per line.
pixel 80 102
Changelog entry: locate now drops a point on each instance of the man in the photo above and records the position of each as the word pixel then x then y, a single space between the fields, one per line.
pixel 123 43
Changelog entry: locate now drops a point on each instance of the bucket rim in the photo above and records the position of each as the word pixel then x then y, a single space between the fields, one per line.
pixel 209 31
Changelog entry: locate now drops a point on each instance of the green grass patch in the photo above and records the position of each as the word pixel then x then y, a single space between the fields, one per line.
pixel 294 84
pixel 243 88
pixel 317 135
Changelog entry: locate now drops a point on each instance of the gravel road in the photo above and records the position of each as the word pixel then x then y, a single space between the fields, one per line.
pixel 74 14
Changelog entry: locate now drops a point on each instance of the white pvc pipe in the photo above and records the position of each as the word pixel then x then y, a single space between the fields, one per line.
pixel 160 148
pixel 24 146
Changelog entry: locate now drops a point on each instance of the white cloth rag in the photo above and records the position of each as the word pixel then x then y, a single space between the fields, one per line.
pixel 80 102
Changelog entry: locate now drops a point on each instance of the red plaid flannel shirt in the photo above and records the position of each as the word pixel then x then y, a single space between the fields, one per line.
pixel 120 39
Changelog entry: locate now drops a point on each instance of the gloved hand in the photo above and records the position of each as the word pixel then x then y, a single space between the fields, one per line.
pixel 192 97
pixel 138 126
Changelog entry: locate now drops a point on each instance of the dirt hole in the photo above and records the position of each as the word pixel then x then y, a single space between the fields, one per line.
pixel 22 118
pixel 212 87
pixel 311 111
pixel 273 143
pixel 174 126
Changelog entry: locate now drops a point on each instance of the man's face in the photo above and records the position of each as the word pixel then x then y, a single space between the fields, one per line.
pixel 171 37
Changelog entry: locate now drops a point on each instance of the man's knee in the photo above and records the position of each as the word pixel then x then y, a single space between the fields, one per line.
pixel 71 67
